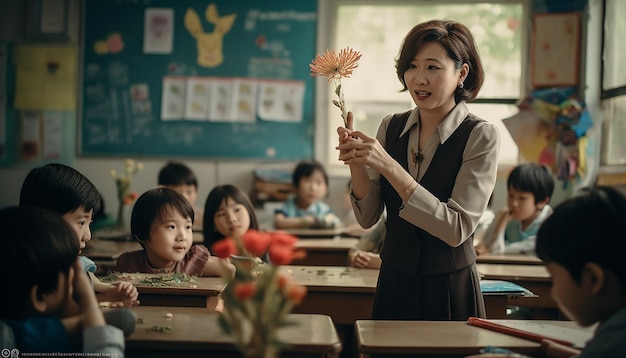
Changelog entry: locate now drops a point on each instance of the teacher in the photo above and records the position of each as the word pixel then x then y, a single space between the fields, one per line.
pixel 433 168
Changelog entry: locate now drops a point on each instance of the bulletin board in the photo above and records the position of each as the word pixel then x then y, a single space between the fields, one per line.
pixel 555 49
pixel 218 79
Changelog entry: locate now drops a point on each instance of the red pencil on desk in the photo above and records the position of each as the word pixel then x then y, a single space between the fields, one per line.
pixel 480 322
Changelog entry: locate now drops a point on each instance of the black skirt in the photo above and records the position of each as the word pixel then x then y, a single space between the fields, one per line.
pixel 453 296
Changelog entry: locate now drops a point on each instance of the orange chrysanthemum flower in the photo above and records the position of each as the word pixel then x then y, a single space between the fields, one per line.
pixel 336 66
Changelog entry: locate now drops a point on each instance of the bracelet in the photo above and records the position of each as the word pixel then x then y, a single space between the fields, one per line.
pixel 406 189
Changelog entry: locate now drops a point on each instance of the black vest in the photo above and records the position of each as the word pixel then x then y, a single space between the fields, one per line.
pixel 407 248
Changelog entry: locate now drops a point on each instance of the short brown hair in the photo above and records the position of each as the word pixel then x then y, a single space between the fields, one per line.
pixel 458 42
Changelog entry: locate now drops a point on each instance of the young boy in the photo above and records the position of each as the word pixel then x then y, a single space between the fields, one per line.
pixel 67 192
pixel 44 280
pixel 306 209
pixel 583 248
pixel 179 177
pixel 514 229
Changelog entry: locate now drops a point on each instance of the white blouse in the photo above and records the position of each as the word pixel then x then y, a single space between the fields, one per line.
pixel 454 220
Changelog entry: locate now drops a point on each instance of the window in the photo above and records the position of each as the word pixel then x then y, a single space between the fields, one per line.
pixel 614 83
pixel 376 29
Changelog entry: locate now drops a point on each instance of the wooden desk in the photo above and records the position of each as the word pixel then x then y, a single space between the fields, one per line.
pixel 108 250
pixel 516 259
pixel 325 252
pixel 535 278
pixel 450 338
pixel 202 292
pixel 346 294
pixel 313 233
pixel 196 333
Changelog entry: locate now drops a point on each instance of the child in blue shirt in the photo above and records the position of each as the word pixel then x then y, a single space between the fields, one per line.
pixel 306 209
pixel 514 229
pixel 46 281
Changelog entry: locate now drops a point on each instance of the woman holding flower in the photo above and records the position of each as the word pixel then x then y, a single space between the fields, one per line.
pixel 433 169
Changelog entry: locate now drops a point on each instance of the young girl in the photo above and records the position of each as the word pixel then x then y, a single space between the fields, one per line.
pixel 228 212
pixel 161 222
pixel 67 192
pixel 306 209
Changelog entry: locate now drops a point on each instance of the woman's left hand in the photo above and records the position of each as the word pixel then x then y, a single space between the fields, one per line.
pixel 359 148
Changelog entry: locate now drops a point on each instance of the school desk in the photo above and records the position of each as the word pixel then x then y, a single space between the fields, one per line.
pixel 201 292
pixel 535 278
pixel 325 252
pixel 317 233
pixel 513 259
pixel 449 338
pixel 346 294
pixel 196 333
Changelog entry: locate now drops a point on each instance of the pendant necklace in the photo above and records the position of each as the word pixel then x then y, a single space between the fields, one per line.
pixel 417 157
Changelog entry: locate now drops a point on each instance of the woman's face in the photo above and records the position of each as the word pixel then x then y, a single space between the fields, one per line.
pixel 432 79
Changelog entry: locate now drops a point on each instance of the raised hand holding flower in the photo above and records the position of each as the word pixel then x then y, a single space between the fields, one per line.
pixel 336 66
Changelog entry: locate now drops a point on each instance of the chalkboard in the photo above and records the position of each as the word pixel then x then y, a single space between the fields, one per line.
pixel 151 86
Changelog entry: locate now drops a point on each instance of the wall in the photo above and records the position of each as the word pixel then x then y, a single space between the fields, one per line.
pixel 209 172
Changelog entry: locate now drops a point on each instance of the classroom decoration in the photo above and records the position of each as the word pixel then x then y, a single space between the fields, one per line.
pixel 551 129
pixel 217 80
pixel 555 49
pixel 124 195
pixel 258 300
pixel 336 66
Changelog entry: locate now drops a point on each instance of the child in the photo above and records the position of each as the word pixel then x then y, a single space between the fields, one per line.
pixel 582 246
pixel 161 222
pixel 67 192
pixel 513 231
pixel 366 253
pixel 40 266
pixel 179 177
pixel 306 209
pixel 228 212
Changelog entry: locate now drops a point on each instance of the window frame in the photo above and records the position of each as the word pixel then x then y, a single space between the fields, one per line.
pixel 327 16
pixel 606 97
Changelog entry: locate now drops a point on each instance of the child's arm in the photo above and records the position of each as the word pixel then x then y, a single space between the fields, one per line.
pixel 122 292
pixel 283 222
pixel 96 335
pixel 493 240
pixel 216 266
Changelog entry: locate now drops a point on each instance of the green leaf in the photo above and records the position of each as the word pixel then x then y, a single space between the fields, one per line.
pixel 336 103
pixel 338 90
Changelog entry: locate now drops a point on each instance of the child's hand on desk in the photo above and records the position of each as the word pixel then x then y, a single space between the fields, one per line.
pixel 481 249
pixel 363 259
pixel 122 293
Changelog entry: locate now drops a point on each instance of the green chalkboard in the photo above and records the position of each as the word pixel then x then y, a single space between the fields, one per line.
pixel 218 79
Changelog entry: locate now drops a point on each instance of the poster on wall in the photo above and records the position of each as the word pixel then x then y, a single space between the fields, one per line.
pixel 555 49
